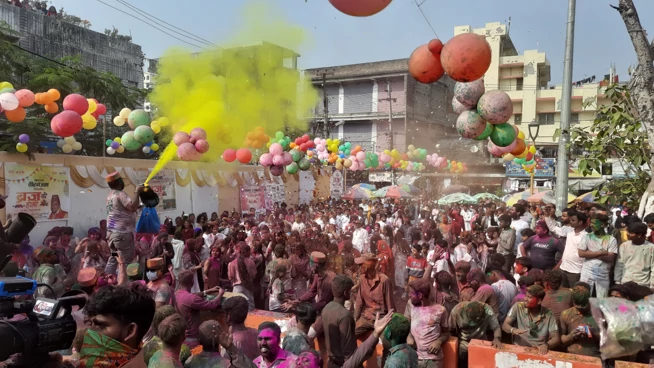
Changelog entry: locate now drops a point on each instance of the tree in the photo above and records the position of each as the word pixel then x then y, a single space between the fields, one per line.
pixel 25 70
pixel 642 85
pixel 615 135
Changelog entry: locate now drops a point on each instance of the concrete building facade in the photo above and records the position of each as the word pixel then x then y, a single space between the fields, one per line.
pixel 55 39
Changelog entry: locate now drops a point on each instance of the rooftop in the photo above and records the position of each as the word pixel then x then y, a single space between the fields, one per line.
pixel 376 68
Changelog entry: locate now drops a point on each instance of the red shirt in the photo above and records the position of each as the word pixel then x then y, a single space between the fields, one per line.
pixel 416 266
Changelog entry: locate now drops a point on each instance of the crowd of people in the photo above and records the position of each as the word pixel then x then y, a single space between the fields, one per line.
pixel 408 275
pixel 38 6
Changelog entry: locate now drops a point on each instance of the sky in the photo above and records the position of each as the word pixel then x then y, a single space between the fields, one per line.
pixel 337 39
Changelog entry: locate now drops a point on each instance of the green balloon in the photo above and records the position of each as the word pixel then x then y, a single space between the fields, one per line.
pixel 7 90
pixel 519 161
pixel 346 152
pixel 503 135
pixel 129 142
pixel 487 132
pixel 279 135
pixel 296 154
pixel 304 164
pixel 367 162
pixel 292 168
pixel 530 162
pixel 108 142
pixel 143 134
pixel 348 145
pixel 138 118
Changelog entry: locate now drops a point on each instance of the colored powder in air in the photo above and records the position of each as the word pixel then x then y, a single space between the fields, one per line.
pixel 230 91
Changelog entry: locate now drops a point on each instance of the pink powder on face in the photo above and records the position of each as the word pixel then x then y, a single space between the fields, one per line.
pixel 273 340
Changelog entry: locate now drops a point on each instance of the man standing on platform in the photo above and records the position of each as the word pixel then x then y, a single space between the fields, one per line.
pixel 375 295
pixel 121 218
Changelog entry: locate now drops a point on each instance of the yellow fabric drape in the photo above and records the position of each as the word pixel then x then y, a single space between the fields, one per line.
pixel 78 179
pixel 196 179
pixel 182 181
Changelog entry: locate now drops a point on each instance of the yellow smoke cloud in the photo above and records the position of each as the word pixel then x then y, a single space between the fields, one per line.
pixel 230 91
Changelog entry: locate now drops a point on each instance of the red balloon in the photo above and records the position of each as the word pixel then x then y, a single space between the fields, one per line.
pixel 425 66
pixel 76 103
pixel 310 144
pixel 305 138
pixel 435 46
pixel 303 147
pixel 360 8
pixel 66 123
pixel 243 155
pixel 95 115
pixel 229 155
pixel 466 57
pixel 101 110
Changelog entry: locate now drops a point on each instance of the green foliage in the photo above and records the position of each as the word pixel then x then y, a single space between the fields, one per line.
pixel 114 33
pixel 616 135
pixel 25 70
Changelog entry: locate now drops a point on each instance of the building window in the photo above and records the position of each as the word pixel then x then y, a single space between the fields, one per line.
pixel 517 119
pixel 518 86
pixel 546 119
pixel 574 118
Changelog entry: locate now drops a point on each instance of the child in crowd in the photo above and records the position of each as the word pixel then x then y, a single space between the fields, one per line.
pixel 282 288
pixel 415 264
pixel 524 282
pixel 521 267
pixel 526 234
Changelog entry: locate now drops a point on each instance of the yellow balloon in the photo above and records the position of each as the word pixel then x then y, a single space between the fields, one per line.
pixel 523 154
pixel 119 121
pixel 21 147
pixel 89 121
pixel 4 85
pixel 67 148
pixel 508 157
pixel 124 113
pixel 117 139
pixel 156 129
pixel 521 135
pixel 155 125
pixel 69 140
pixel 154 147
pixel 120 149
pixel 92 106
pixel 532 149
pixel 163 121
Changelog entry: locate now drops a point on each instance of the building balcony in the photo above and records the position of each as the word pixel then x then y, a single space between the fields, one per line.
pixel 359 116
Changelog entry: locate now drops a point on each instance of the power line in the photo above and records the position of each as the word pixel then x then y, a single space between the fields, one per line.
pixel 151 25
pixel 153 18
pixel 425 16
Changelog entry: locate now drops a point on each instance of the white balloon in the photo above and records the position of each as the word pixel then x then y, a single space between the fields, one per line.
pixel 60 143
pixel 67 148
pixel 9 101
pixel 77 146
pixel 70 140
pixel 146 149
pixel 110 150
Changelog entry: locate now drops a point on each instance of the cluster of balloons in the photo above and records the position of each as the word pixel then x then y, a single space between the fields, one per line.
pixel 257 138
pixel 282 140
pixel 191 146
pixel 141 135
pixel 417 153
pixel 242 155
pixel 359 160
pixel 21 146
pixel 465 58
pixel 321 152
pixel 79 112
pixel 523 154
pixel 47 99
pixel 302 143
pixel 69 144
pixel 276 158
pixel 409 165
pixel 300 162
pixel 13 103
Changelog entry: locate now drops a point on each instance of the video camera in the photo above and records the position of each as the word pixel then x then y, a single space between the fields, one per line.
pixel 49 325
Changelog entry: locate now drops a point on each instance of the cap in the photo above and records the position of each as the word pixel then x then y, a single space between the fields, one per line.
pixel 42 251
pixel 113 176
pixel 133 269
pixel 87 277
pixel 318 257
pixel 366 258
pixel 155 263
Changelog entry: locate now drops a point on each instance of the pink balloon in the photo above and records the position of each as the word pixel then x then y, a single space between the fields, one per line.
pixel 266 159
pixel 77 103
pixel 494 150
pixel 320 147
pixel 355 166
pixel 276 149
pixel 508 148
pixel 288 158
pixel 66 123
pixel 278 160
pixel 180 138
pixel 202 145
pixel 317 141
pixel 25 97
pixel 198 133
pixel 187 152
pixel 361 155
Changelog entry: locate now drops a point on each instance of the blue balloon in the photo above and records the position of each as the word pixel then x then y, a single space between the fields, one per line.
pixel 149 144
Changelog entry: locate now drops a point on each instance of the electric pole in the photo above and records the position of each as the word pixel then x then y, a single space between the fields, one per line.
pixel 390 121
pixel 325 103
pixel 566 101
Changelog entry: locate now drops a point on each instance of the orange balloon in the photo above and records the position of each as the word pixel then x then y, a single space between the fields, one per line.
pixel 360 8
pixel 38 98
pixel 46 98
pixel 54 94
pixel 520 147
pixel 16 116
pixel 52 108
pixel 425 66
pixel 466 57
pixel 292 145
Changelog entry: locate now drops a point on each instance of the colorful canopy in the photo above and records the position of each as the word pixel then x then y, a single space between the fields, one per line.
pixel 365 186
pixel 357 193
pixel 392 191
pixel 486 196
pixel 586 197
pixel 514 198
pixel 409 188
pixel 547 197
pixel 457 198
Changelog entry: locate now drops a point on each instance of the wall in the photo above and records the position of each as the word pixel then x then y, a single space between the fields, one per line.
pixel 55 39
pixel 87 205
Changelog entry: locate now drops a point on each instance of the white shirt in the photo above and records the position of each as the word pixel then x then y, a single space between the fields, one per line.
pixel 360 240
pixel 299 227
pixel 518 225
pixel 570 261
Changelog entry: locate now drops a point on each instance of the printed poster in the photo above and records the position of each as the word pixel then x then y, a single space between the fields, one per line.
pixel 274 193
pixel 41 191
pixel 336 184
pixel 163 183
pixel 253 197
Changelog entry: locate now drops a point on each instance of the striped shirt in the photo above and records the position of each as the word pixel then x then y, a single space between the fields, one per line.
pixel 416 266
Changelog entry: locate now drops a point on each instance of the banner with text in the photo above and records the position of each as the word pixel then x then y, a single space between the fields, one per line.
pixel 163 183
pixel 41 191
pixel 253 197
